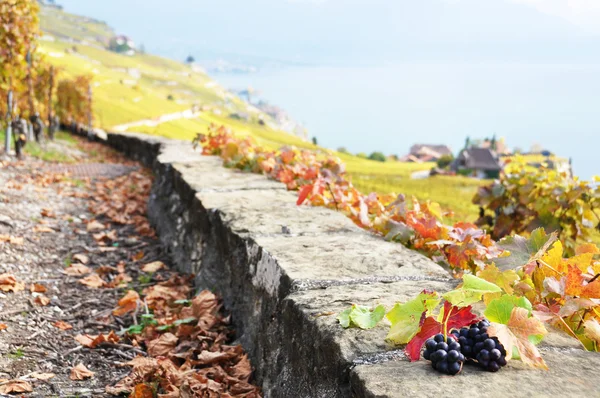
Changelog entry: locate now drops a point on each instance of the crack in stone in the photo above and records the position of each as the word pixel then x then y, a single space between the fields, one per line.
pixel 303 285
pixel 374 359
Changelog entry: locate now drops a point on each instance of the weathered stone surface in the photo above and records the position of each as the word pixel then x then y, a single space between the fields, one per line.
pixel 282 270
pixel 209 175
pixel 313 343
pixel 244 212
pixel 573 373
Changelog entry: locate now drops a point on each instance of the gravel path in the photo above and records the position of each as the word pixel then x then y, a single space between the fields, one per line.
pixel 45 231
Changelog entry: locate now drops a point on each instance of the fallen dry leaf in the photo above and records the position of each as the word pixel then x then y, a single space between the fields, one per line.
pixel 37 288
pixel 77 270
pixel 12 240
pixel 16 386
pixel 47 213
pixel 9 282
pixel 95 226
pixel 42 229
pixel 62 325
pixel 90 341
pixel 42 300
pixel 93 281
pixel 162 345
pixel 142 391
pixel 3 326
pixel 138 256
pixel 42 376
pixel 82 258
pixel 153 267
pixel 127 304
pixel 105 237
pixel 80 372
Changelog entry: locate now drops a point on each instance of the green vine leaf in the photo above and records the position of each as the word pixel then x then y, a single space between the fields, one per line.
pixel 361 316
pixel 500 309
pixel 405 317
pixel 471 291
pixel 524 251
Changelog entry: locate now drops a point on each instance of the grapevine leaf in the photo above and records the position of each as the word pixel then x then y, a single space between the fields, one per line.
pixel 303 194
pixel 592 330
pixel 575 286
pixel 399 232
pixel 364 318
pixel 524 251
pixel 344 318
pixel 405 318
pixel 456 318
pixel 361 316
pixel 505 279
pixel 515 336
pixel 471 290
pixel 429 328
pixel 500 309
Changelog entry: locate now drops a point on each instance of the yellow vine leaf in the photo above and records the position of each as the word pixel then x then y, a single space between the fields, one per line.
pixel 515 335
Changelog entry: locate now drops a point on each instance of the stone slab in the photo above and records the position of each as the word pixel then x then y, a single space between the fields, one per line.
pixel 273 213
pixel 572 373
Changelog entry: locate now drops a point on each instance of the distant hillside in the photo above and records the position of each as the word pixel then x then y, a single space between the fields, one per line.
pixel 144 87
pixel 156 95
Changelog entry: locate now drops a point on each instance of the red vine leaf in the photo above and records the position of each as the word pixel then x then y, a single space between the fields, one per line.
pixel 456 317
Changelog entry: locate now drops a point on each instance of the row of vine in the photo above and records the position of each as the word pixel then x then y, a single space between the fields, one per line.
pixel 523 281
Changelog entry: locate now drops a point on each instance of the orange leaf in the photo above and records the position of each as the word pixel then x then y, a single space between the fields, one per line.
pixel 16 386
pixel 142 391
pixel 80 372
pixel 37 288
pixel 516 334
pixel 153 267
pixel 12 240
pixel 9 282
pixel 42 229
pixel 138 256
pixel 127 304
pixel 42 376
pixel 3 326
pixel 95 226
pixel 42 300
pixel 89 341
pixel 82 258
pixel 163 345
pixel 62 325
pixel 77 270
pixel 92 281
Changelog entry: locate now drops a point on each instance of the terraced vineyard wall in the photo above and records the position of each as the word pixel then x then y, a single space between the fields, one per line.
pixel 285 271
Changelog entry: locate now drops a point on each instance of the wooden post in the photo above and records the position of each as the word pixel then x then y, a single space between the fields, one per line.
pixel 8 137
pixel 51 126
pixel 90 112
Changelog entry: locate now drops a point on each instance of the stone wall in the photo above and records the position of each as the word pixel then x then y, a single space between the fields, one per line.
pixel 284 271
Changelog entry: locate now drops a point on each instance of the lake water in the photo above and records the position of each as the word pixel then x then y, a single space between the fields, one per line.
pixel 390 108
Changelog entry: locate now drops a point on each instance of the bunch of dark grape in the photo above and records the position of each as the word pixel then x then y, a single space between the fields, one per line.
pixel 476 344
pixel 445 356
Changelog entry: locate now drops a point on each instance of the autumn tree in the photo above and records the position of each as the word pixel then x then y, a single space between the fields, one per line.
pixel 19 26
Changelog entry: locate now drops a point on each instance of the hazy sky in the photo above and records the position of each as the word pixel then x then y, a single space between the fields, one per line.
pixel 359 30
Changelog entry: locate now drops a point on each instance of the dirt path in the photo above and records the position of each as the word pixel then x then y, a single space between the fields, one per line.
pixel 169 117
pixel 64 271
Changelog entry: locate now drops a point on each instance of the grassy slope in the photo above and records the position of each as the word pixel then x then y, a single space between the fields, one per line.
pixel 117 103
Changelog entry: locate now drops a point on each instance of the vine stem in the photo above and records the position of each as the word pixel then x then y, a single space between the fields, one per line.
pixel 332 195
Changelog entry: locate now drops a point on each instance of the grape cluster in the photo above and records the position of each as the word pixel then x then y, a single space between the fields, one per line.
pixel 469 343
pixel 445 356
pixel 477 345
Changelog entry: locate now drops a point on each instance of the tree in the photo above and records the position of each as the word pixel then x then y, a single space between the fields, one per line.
pixel 342 150
pixel 445 161
pixel 190 60
pixel 377 156
pixel 19 26
pixel 314 141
